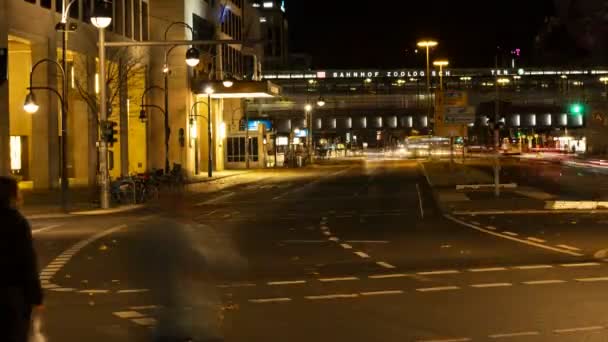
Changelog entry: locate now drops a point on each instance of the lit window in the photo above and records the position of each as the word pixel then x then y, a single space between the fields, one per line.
pixel 262 19
pixel 256 4
pixel 268 4
pixel 15 146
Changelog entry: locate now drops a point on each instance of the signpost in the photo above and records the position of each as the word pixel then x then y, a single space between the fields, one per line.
pixel 452 116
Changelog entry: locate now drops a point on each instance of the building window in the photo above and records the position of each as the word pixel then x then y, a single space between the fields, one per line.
pixel 268 4
pixel 145 30
pixel 236 149
pixel 136 20
pixel 129 18
pixel 47 4
pixel 118 21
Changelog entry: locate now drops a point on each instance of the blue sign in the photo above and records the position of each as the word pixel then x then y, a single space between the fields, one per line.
pixel 253 124
pixel 301 133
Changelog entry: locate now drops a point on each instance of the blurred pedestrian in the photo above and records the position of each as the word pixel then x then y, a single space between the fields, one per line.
pixel 20 289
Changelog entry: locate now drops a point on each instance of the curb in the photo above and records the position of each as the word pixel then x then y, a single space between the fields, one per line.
pixel 202 181
pixel 433 192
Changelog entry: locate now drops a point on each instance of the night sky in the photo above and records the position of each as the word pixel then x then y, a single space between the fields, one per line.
pixel 376 34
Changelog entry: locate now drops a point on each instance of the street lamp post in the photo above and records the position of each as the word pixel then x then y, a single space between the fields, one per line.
pixel 428 44
pixel 209 90
pixel 143 117
pixel 101 18
pixel 65 28
pixel 192 59
pixel 31 107
pixel 441 64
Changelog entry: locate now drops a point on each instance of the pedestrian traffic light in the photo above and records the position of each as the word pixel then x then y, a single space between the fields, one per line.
pixel 109 132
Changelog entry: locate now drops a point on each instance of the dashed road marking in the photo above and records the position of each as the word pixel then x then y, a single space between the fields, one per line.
pixel 94 291
pixel 367 241
pixel 439 272
pixel 326 280
pixel 270 300
pixel 346 246
pixel 568 247
pixel 288 282
pixel 334 239
pixel 326 233
pixel 533 239
pixel 64 289
pixel 438 288
pixel 128 314
pixel 491 228
pixel 571 330
pixel 216 199
pixel 544 282
pixel 582 264
pixel 592 280
pixel 475 223
pixel 382 293
pixel 489 285
pixel 488 269
pixel 385 264
pixel 236 285
pixel 510 233
pixel 146 321
pixel 133 291
pixel 387 276
pixel 144 307
pixel 516 334
pixel 532 267
pixel 333 296
pixel 363 255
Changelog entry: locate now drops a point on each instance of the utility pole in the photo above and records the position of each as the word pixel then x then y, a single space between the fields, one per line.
pixel 496 133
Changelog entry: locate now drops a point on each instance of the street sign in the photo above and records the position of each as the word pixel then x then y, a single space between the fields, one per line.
pixel 459 115
pixel 454 98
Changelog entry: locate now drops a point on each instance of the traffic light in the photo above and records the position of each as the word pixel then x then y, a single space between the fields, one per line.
pixel 109 132
pixel 576 108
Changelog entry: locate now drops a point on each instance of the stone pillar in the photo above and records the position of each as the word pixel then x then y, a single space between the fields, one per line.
pixel 45 127
pixel 124 121
pixel 5 167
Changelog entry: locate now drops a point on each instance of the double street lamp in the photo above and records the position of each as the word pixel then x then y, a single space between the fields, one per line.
pixel 31 107
pixel 441 64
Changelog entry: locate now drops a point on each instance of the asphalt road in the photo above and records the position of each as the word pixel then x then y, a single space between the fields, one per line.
pixel 354 252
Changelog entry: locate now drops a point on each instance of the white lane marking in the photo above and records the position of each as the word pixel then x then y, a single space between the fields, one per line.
pixel 568 247
pixel 367 241
pixel 489 269
pixel 334 296
pixel 582 264
pixel 439 272
pixel 326 233
pixel 217 199
pixel 133 291
pixel 387 276
pixel 346 246
pixel 144 307
pixel 481 286
pixel 94 291
pixel 44 229
pixel 532 267
pixel 510 233
pixel 544 282
pixel 381 293
pixel 438 288
pixel 288 282
pixel 491 227
pixel 324 228
pixel 526 242
pixel 591 280
pixel 420 201
pixel 464 339
pixel 64 289
pixel 475 223
pixel 326 280
pixel 363 255
pixel 570 330
pixel 147 321
pixel 517 334
pixel 533 239
pixel 385 264
pixel 49 286
pixel 344 216
pixel 270 300
pixel 128 314
pixel 334 239
pixel 236 285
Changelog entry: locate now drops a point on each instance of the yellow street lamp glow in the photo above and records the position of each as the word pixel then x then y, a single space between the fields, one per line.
pixel 604 80
pixel 441 63
pixel 193 129
pixel 308 107
pixel 30 106
pixel 209 90
pixel 427 43
pixel 503 81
